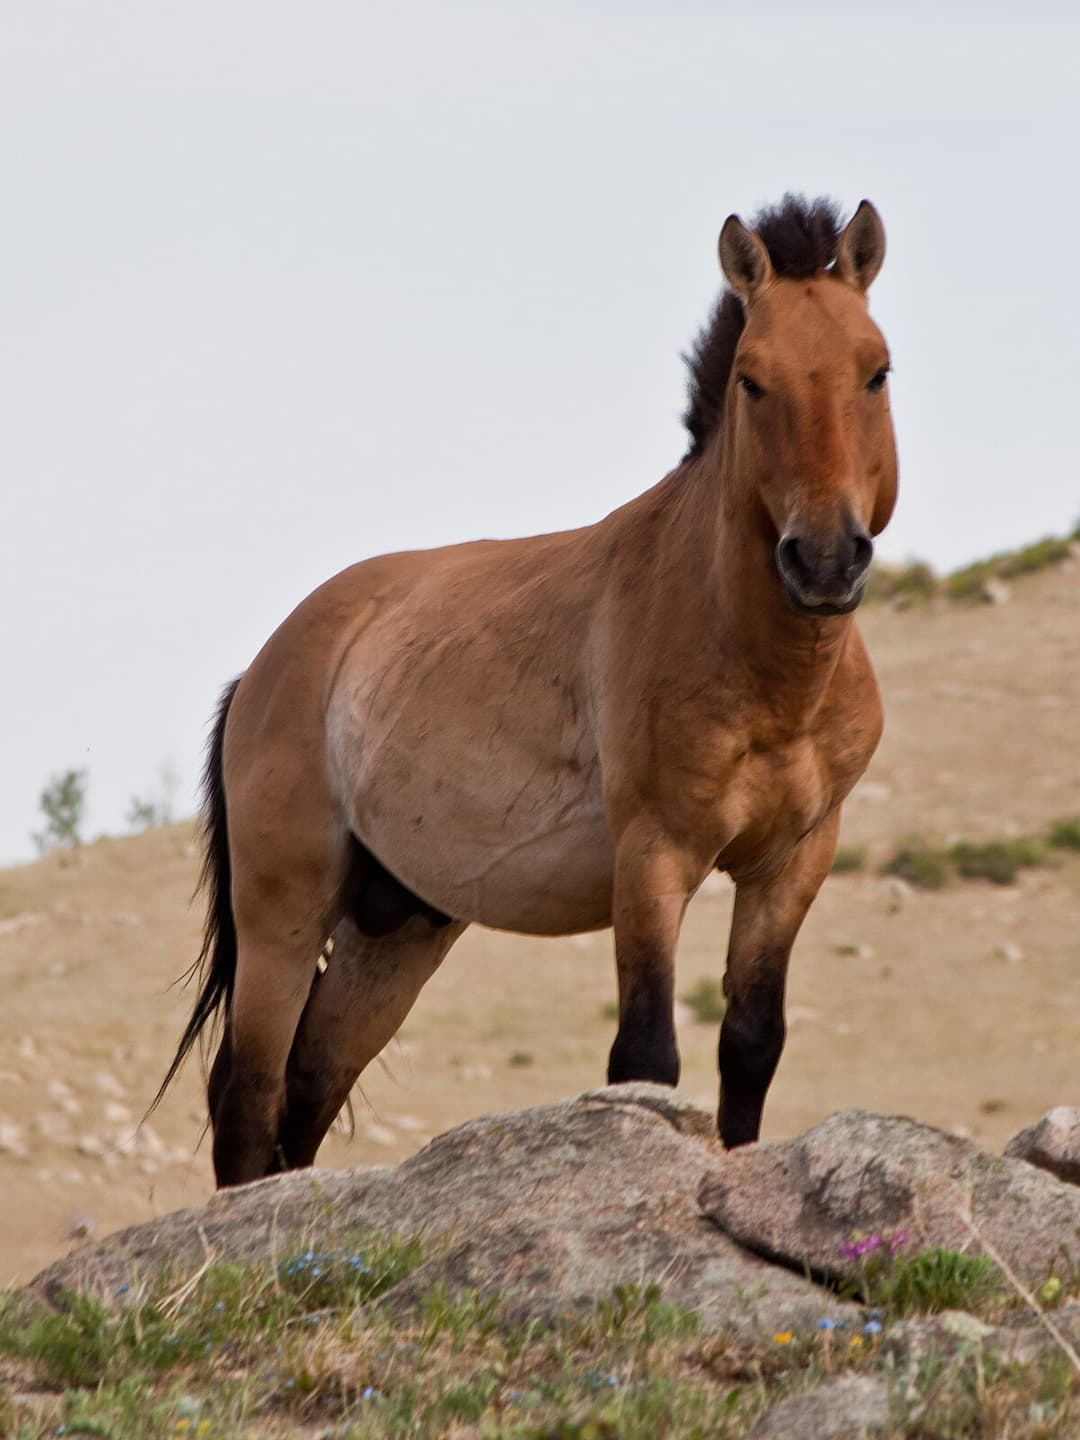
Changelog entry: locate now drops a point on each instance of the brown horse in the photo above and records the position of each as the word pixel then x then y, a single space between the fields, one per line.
pixel 570 731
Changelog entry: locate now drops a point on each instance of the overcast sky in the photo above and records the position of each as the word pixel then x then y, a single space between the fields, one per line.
pixel 285 285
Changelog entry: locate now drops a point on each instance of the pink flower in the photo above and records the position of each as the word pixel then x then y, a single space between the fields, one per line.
pixel 855 1249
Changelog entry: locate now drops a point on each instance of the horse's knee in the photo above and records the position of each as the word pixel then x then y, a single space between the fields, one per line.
pixel 751 1042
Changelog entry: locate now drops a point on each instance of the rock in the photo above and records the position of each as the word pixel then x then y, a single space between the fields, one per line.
pixel 108 1084
pixel 995 592
pixel 116 1114
pixel 548 1209
pixel 1007 950
pixel 12 1140
pixel 798 1201
pixel 1053 1144
pixel 851 1407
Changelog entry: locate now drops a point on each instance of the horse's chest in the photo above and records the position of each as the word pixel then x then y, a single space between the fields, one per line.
pixel 774 797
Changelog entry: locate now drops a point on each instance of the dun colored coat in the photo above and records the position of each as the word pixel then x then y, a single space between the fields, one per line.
pixel 570 731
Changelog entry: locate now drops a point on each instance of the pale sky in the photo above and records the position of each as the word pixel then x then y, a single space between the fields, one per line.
pixel 286 285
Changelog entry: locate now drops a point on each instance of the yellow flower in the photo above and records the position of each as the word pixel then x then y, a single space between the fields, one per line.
pixel 856 1342
pixel 783 1337
pixel 181 1426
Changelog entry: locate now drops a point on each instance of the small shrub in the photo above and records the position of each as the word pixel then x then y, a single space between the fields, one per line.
pixel 520 1059
pixel 63 803
pixel 849 860
pixel 706 1000
pixel 998 861
pixel 921 866
pixel 1065 834
pixel 903 584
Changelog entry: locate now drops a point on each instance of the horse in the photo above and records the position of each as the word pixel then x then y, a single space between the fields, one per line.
pixel 568 732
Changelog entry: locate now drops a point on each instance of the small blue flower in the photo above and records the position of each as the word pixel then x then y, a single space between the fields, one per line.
pixel 826 1324
pixel 220 1305
pixel 875 1314
pixel 120 1290
pixel 369 1393
pixel 872 1327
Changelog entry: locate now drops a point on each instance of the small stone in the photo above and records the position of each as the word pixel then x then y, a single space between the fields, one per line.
pixel 476 1072
pixel 12 1141
pixel 90 1145
pixel 1010 952
pixel 116 1114
pixel 963 1325
pixel 380 1134
pixel 108 1084
pixel 996 592
pixel 1053 1144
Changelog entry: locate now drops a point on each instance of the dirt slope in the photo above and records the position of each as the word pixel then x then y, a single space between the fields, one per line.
pixel 961 1007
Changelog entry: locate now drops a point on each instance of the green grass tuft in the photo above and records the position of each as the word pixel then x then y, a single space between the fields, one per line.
pixel 1065 834
pixel 706 1000
pixel 849 860
pixel 921 866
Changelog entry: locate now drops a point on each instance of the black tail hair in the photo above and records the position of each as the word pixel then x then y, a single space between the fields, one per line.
pixel 216 962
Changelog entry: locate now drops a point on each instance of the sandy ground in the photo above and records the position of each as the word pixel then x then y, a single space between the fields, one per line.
pixel 960 1007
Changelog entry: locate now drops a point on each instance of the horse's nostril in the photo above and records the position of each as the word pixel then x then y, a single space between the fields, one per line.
pixel 863 554
pixel 790 558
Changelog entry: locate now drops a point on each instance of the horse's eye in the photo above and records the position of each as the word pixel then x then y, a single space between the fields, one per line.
pixel 877 381
pixel 752 388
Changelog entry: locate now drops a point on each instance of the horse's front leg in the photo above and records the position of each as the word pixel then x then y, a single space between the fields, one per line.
pixel 654 880
pixel 768 914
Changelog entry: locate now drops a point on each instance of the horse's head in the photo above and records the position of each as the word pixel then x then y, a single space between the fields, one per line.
pixel 807 410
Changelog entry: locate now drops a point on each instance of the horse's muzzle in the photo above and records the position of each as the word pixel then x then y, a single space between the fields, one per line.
pixel 824 576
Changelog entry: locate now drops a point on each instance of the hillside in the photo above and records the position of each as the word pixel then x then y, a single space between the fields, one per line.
pixel 960 1007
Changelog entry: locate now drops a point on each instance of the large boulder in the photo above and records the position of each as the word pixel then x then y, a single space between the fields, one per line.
pixel 803 1202
pixel 547 1208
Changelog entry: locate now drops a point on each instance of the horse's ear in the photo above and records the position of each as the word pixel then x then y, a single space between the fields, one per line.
pixel 744 260
pixel 861 249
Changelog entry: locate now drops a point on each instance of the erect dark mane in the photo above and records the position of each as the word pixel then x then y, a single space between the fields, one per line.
pixel 801 237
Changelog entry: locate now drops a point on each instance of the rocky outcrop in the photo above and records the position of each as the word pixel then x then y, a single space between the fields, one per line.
pixel 550 1209
pixel 547 1208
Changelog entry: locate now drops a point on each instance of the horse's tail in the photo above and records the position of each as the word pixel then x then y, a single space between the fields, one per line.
pixel 216 962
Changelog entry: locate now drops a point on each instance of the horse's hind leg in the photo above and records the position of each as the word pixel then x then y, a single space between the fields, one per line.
pixel 284 911
pixel 353 1011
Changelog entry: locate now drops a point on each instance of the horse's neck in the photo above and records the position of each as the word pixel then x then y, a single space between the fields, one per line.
pixel 718 583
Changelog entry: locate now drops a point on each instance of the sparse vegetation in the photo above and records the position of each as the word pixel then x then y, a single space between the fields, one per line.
pixel 305 1347
pixel 916 582
pixel 903 585
pixel 1065 834
pixel 706 1000
pixel 63 804
pixel 849 860
pixel 930 867
pixel 968 583
pixel 920 865
pixel 147 812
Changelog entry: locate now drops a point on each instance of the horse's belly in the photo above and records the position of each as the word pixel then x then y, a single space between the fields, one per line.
pixel 540 862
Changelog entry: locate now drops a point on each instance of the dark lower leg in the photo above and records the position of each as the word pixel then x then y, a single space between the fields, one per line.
pixel 751 1042
pixel 645 1047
